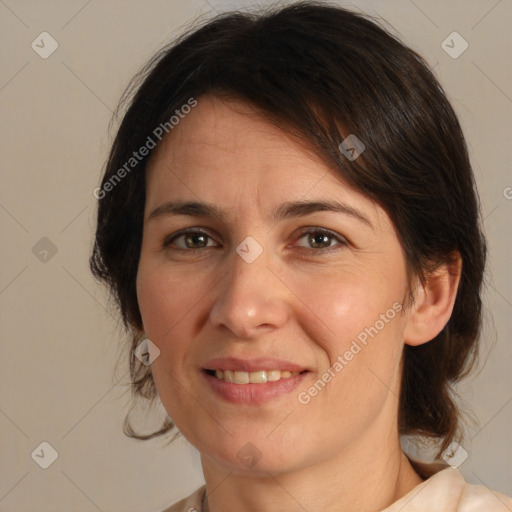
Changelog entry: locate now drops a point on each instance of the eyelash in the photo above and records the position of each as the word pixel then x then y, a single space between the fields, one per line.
pixel 342 242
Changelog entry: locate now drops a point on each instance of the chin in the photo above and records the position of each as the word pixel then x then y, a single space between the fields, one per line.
pixel 254 458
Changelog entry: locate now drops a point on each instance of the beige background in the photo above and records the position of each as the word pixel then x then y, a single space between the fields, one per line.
pixel 60 344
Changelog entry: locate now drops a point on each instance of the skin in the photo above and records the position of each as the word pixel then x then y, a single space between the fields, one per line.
pixel 297 302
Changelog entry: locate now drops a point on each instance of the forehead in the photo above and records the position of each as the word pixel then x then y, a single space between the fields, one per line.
pixel 222 132
pixel 228 152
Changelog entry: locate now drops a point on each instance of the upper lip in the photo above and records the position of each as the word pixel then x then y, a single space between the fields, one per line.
pixel 252 365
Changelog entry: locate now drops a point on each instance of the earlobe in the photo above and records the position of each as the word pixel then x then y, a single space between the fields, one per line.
pixel 434 299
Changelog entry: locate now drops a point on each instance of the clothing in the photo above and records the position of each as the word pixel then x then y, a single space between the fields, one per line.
pixel 444 491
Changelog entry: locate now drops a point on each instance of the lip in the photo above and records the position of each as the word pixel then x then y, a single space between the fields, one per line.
pixel 252 365
pixel 252 394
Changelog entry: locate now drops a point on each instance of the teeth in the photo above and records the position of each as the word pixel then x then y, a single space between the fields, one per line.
pixel 259 377
pixel 241 377
pixel 273 375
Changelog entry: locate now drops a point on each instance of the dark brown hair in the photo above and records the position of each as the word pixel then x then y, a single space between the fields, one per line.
pixel 321 72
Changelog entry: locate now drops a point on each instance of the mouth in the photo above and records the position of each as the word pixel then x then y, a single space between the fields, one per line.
pixel 253 377
pixel 253 381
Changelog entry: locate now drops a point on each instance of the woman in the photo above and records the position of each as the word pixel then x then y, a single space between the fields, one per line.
pixel 289 224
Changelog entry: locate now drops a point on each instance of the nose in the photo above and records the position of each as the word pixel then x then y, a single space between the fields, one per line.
pixel 250 299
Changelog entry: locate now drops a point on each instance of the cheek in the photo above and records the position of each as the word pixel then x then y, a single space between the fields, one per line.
pixel 168 309
pixel 355 322
pixel 344 304
pixel 154 296
pixel 166 304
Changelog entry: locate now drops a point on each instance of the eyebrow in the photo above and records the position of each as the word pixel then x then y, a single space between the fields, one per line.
pixel 190 208
pixel 303 208
pixel 284 211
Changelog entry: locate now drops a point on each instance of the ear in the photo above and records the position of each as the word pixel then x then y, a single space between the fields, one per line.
pixel 433 302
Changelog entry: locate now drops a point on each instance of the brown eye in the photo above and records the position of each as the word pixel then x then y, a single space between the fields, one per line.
pixel 195 240
pixel 190 240
pixel 319 239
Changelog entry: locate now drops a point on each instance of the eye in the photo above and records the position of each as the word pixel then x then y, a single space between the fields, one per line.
pixel 189 239
pixel 320 239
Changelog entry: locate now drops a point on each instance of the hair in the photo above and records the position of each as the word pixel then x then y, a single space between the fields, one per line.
pixel 320 72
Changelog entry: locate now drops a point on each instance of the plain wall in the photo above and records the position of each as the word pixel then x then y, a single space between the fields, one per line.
pixel 60 343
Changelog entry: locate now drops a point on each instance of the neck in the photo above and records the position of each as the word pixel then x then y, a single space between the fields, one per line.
pixel 367 478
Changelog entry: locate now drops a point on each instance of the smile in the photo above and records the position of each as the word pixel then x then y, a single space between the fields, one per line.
pixel 257 377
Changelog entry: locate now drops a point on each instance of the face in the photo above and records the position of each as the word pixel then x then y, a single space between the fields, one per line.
pixel 257 257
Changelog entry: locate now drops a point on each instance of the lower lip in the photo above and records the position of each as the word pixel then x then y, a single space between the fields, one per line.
pixel 253 394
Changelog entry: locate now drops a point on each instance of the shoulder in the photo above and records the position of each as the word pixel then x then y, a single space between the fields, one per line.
pixel 476 498
pixel 191 503
pixel 447 490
